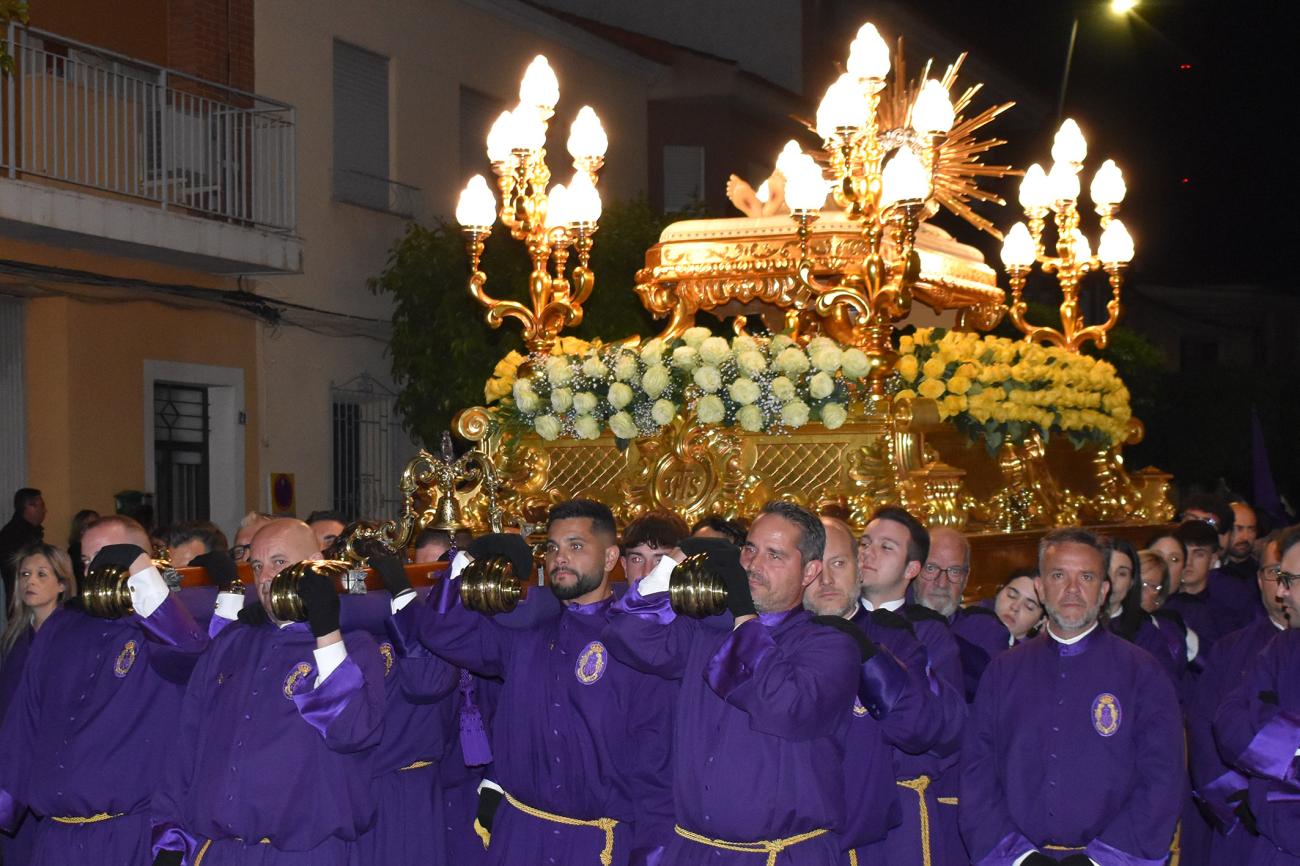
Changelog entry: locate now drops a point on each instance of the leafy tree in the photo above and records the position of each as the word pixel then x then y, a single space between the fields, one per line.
pixel 443 351
pixel 10 10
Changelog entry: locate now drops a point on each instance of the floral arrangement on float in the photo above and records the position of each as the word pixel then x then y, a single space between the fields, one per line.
pixel 993 389
pixel 999 390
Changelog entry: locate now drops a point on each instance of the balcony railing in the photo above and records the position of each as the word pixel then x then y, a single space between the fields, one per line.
pixel 87 117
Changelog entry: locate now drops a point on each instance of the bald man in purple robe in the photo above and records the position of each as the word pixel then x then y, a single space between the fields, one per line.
pixel 764 706
pixel 580 740
pixel 277 737
pixel 1220 788
pixel 90 729
pixel 1257 728
pixel 1074 749
pixel 895 710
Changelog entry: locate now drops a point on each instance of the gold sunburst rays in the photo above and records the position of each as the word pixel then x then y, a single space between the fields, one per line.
pixel 958 167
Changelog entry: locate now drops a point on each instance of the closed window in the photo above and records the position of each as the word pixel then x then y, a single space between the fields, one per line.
pixel 361 168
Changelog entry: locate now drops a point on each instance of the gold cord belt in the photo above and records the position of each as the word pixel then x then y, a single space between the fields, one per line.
pixel 919 785
pixel 93 819
pixel 605 824
pixel 772 848
pixel 416 765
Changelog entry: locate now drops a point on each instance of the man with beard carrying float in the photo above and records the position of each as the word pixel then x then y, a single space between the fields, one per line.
pixel 580 740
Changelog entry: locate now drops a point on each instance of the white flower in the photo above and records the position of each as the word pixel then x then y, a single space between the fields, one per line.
pixel 820 386
pixel 622 425
pixel 791 360
pixel 710 409
pixel 750 418
pixel 744 343
pixel 547 426
pixel 558 370
pixel 695 336
pixel 744 391
pixel 855 364
pixel 585 402
pixel 685 358
pixel 817 342
pixel 652 352
pixel 525 397
pixel 714 351
pixel 751 362
pixel 619 395
pixel 779 343
pixel 794 413
pixel 656 380
pixel 782 389
pixel 594 368
pixel 586 427
pixel 834 415
pixel 625 367
pixel 826 357
pixel 561 399
pixel 708 378
pixel 663 412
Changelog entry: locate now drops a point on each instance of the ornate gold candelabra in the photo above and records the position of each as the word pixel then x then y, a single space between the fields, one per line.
pixel 886 196
pixel 550 222
pixel 1057 192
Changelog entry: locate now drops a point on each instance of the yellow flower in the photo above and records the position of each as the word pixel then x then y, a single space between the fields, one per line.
pixel 932 388
pixel 959 384
pixel 933 368
pixel 953 404
pixel 908 368
pixel 905 394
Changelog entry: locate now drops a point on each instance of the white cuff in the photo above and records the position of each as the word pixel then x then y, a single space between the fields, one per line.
pixel 327 661
pixel 658 578
pixel 1022 857
pixel 1193 645
pixel 148 591
pixel 401 600
pixel 488 783
pixel 229 604
pixel 458 564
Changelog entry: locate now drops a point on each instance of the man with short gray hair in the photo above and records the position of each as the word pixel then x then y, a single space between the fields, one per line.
pixel 1074 750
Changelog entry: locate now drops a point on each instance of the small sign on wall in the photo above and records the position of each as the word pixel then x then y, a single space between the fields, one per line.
pixel 284 500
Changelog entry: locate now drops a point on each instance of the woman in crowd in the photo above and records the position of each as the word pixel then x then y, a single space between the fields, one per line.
pixel 1167 545
pixel 43 581
pixel 1129 617
pixel 1018 606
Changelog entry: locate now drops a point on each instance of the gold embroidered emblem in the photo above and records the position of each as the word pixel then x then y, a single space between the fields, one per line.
pixel 125 659
pixel 591 663
pixel 858 709
pixel 299 671
pixel 386 650
pixel 1106 714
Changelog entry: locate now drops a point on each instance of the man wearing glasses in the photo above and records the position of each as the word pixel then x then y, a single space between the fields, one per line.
pixel 1257 725
pixel 1220 788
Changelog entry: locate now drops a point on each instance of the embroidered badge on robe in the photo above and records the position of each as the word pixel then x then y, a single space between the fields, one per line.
pixel 592 663
pixel 299 671
pixel 386 650
pixel 125 659
pixel 1106 714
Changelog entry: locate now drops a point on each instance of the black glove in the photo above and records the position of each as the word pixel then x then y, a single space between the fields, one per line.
pixel 507 544
pixel 1038 858
pixel 1242 811
pixel 321 600
pixel 253 614
pixel 120 555
pixel 865 645
pixel 220 567
pixel 1077 860
pixel 724 560
pixel 168 858
pixel 489 800
pixel 391 570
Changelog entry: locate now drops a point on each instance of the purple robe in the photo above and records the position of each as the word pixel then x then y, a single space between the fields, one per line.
pixel 465 764
pixel 925 768
pixel 263 753
pixel 1209 613
pixel 1257 728
pixel 417 725
pixel 1078 746
pixel 981 637
pixel 576 733
pixel 1212 779
pixel 1236 585
pixel 763 713
pixel 16 846
pixel 891 712
pixel 90 728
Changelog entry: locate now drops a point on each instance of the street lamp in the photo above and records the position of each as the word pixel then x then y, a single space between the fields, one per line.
pixel 1117 7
